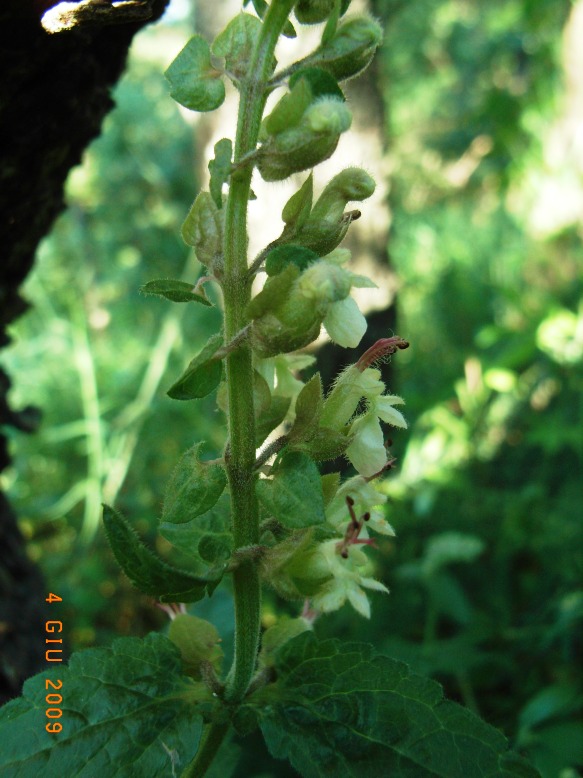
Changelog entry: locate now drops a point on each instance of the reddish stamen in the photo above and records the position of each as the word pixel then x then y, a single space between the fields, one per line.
pixel 382 348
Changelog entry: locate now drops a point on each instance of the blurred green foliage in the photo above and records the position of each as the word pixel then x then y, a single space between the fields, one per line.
pixel 486 570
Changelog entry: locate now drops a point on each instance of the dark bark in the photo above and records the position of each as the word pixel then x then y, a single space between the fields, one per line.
pixel 54 94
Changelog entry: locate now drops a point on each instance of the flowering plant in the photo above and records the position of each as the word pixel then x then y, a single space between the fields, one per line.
pixel 154 706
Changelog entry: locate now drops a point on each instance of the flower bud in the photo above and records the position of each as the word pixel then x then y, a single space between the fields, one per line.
pixel 328 223
pixel 351 385
pixel 326 283
pixel 304 145
pixel 351 49
pixel 313 11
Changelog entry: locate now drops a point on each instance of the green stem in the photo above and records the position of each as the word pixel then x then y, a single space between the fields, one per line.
pixel 211 741
pixel 237 292
pixel 240 454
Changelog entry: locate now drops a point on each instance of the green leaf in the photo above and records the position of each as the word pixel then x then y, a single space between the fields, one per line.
pixel 282 256
pixel 261 7
pixel 276 636
pixel 297 209
pixel 261 395
pixel 325 444
pixel 203 230
pixel 194 488
pixel 194 83
pixel 308 409
pixel 271 419
pixel 274 293
pixel 175 291
pixel 330 485
pixel 297 491
pixel 290 109
pixel 331 24
pixel 198 641
pixel 236 42
pixel 128 710
pixel 207 537
pixel 202 375
pixel 321 82
pixel 342 710
pixel 220 169
pixel 146 571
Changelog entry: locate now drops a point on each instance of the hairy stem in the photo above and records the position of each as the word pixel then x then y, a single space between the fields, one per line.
pixel 237 291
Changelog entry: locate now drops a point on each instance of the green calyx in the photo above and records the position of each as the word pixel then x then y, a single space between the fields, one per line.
pixel 351 49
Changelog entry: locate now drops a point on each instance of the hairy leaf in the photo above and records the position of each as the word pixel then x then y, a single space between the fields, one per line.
pixel 194 83
pixel 146 571
pixel 282 256
pixel 271 419
pixel 194 488
pixel 321 82
pixel 236 42
pixel 341 709
pixel 207 536
pixel 175 291
pixel 202 375
pixel 297 492
pixel 308 410
pixel 198 641
pixel 128 710
pixel 220 169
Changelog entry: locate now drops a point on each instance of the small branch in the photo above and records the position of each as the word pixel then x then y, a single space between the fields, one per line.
pixel 255 266
pixel 234 344
pixel 264 677
pixel 273 448
pixel 210 678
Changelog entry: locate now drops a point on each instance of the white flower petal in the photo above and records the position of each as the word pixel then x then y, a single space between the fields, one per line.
pixel 367 451
pixel 371 583
pixel 359 601
pixel 385 411
pixel 331 598
pixel 380 525
pixel 345 323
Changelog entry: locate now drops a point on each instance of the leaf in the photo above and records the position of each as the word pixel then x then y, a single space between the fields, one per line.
pixel 282 256
pixel 341 709
pixel 271 419
pixel 220 169
pixel 194 83
pixel 203 230
pixel 330 485
pixel 194 488
pixel 198 641
pixel 297 209
pixel 275 636
pixel 325 444
pixel 308 409
pixel 175 291
pixel 128 710
pixel 207 536
pixel 290 109
pixel 202 375
pixel 261 395
pixel 321 82
pixel 236 43
pixel 146 571
pixel 331 24
pixel 274 293
pixel 261 7
pixel 297 492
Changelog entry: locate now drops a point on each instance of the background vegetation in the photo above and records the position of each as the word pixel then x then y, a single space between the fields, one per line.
pixel 486 569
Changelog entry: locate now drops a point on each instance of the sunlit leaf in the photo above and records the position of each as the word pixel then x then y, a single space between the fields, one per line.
pixel 194 83
pixel 202 375
pixel 175 291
